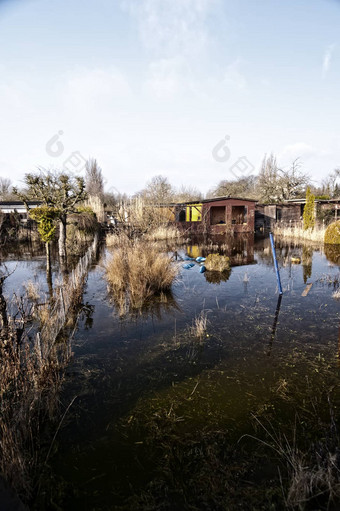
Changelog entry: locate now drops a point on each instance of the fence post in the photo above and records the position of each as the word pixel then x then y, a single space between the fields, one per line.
pixel 276 266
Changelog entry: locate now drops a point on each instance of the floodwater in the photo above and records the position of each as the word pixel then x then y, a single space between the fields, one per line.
pixel 161 419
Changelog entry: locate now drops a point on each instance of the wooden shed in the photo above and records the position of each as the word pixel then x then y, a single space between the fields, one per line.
pixel 217 215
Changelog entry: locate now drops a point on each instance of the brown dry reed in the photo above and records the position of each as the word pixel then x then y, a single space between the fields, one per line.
pixel 30 378
pixel 216 262
pixel 137 271
pixel 163 232
pixel 199 325
pixel 299 233
pixel 31 373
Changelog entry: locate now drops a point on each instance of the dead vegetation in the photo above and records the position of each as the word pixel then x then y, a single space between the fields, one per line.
pixel 336 294
pixel 217 262
pixel 137 271
pixel 199 325
pixel 34 353
pixel 30 378
pixel 163 232
pixel 297 232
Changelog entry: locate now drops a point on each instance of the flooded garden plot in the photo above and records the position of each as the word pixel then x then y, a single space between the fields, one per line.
pixel 214 395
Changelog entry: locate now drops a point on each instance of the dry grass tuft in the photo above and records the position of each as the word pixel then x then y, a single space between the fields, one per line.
pixel 117 239
pixel 336 294
pixel 32 291
pixel 216 262
pixel 199 325
pixel 137 271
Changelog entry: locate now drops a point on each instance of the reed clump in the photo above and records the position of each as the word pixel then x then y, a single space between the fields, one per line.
pixel 163 232
pixel 137 271
pixel 30 377
pixel 115 239
pixel 316 234
pixel 199 325
pixel 31 373
pixel 336 294
pixel 217 262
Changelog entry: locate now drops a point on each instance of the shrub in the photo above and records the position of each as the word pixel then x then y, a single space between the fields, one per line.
pixel 332 234
pixel 309 211
pixel 216 262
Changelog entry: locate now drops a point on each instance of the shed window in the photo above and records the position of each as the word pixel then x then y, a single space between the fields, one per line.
pixel 181 216
pixel 217 215
pixel 239 215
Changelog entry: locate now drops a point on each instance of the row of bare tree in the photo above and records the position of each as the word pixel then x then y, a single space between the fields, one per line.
pixel 272 184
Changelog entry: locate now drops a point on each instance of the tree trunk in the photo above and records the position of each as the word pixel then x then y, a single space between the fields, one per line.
pixel 49 269
pixel 62 244
pixel 62 236
pixel 3 307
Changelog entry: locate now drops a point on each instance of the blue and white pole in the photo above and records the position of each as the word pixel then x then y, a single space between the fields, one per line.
pixel 276 266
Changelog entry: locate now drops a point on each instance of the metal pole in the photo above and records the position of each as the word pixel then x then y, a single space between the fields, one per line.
pixel 275 263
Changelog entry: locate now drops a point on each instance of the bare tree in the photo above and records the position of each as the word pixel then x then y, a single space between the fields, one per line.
pixel 5 187
pixel 243 187
pixel 94 178
pixel 277 184
pixel 157 191
pixel 267 180
pixel 330 185
pixel 292 183
pixel 187 193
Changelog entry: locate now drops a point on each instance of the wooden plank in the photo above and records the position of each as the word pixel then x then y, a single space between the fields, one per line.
pixel 306 290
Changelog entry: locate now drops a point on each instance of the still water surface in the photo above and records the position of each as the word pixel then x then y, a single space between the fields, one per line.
pixel 159 414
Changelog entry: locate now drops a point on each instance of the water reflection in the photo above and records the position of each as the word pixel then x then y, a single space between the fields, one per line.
pixel 332 252
pixel 216 277
pixel 145 385
pixel 276 317
pixel 239 248
pixel 156 307
pixel 307 260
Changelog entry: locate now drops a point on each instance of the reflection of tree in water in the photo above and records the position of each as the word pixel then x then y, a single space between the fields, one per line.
pixel 332 252
pixel 216 277
pixel 307 259
pixel 86 315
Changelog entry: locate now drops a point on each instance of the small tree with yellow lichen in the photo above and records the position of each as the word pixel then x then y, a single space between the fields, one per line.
pixel 46 217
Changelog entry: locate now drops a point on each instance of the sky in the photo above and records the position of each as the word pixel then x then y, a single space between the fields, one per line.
pixel 195 90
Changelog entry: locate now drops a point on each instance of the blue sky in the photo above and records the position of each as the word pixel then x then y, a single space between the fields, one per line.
pixel 152 86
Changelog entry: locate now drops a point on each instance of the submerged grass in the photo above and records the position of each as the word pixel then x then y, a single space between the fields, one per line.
pixel 336 294
pixel 199 325
pixel 137 271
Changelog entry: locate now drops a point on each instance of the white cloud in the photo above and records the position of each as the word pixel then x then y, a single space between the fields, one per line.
pixel 327 59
